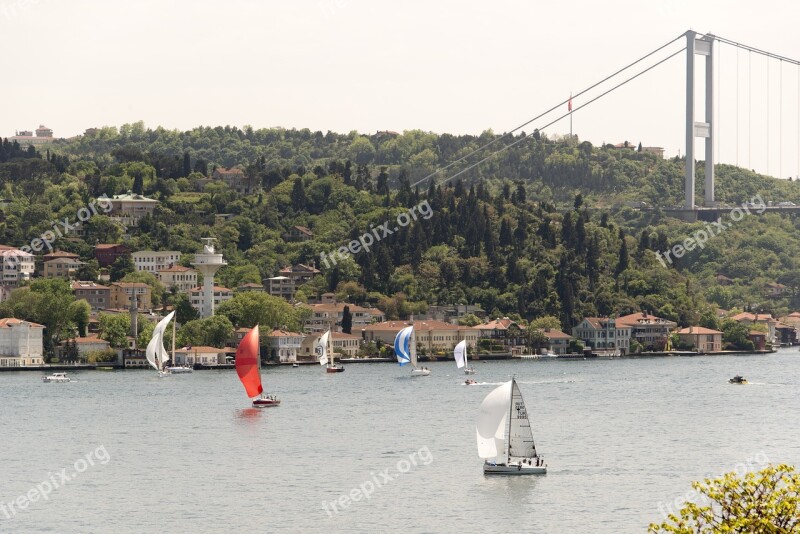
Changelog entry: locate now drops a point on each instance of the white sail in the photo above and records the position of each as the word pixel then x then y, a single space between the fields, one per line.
pixel 155 352
pixel 492 421
pixel 321 348
pixel 520 437
pixel 460 354
pixel 402 343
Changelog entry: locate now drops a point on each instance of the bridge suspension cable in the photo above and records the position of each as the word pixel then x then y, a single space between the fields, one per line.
pixel 601 95
pixel 543 114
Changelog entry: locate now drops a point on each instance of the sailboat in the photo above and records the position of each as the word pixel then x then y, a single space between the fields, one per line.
pixel 155 352
pixel 460 354
pixel 177 369
pixel 322 348
pixel 248 367
pixel 405 348
pixel 505 440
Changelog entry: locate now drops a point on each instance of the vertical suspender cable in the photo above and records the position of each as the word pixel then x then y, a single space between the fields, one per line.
pixel 749 107
pixel 737 105
pixel 780 119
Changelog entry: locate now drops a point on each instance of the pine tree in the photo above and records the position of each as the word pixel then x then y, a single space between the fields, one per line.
pixel 622 263
pixel 347 320
pixel 298 195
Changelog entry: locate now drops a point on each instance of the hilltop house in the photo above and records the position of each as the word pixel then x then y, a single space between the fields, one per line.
pixel 98 296
pixel 183 279
pixel 298 233
pixel 16 265
pixel 130 208
pixel 236 179
pixel 153 261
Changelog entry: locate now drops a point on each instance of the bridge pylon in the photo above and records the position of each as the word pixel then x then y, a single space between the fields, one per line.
pixel 703 46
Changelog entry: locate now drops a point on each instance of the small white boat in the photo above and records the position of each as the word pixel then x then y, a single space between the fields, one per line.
pixel 295 365
pixel 179 369
pixel 460 354
pixel 56 377
pixel 405 348
pixel 505 440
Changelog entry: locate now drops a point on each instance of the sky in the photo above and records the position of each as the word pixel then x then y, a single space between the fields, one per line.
pixel 450 66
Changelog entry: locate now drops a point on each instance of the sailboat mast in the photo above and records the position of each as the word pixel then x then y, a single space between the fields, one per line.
pixel 510 416
pixel 173 342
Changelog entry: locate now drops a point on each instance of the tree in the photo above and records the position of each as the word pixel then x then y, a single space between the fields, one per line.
pixel 298 194
pixel 211 331
pixel 546 322
pixel 347 320
pixel 88 271
pixel 736 333
pixel 762 502
pixel 121 267
pixel 622 262
pixel 247 309
pixel 145 329
pixel 469 319
pixel 69 351
pixel 184 311
pixel 79 312
pixel 114 328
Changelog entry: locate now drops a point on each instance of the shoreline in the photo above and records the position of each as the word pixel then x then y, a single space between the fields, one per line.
pixel 484 358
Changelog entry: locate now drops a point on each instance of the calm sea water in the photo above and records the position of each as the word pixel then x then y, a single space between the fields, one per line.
pixel 623 440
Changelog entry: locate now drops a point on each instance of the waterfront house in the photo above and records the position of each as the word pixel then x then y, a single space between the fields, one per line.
pixel 604 333
pixel 90 344
pixel 21 343
pixel 348 346
pixel 651 331
pixel 557 341
pixel 202 355
pixel 749 319
pixel 284 345
pixel 759 339
pixel 701 339
pixel 98 296
pixel 503 331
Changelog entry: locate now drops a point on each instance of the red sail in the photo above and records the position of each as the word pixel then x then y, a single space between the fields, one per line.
pixel 247 363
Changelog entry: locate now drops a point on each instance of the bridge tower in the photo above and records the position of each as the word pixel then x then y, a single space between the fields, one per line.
pixel 703 46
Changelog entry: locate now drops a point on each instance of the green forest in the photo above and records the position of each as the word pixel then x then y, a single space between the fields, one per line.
pixel 542 228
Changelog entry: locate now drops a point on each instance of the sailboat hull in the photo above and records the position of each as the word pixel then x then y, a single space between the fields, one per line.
pixel 336 369
pixel 469 371
pixel 514 469
pixel 266 403
pixel 420 372
pixel 179 370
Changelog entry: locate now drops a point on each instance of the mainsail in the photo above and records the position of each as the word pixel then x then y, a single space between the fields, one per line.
pixel 247 363
pixel 460 353
pixel 155 352
pixel 520 438
pixel 321 347
pixel 492 421
pixel 402 346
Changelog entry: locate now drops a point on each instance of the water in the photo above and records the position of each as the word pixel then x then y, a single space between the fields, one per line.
pixel 623 439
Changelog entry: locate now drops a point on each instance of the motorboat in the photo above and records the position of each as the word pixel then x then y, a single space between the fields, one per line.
pixel 179 369
pixel 295 365
pixel 738 380
pixel 420 371
pixel 56 377
pixel 470 382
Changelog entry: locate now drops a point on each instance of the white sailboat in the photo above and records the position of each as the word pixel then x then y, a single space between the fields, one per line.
pixel 460 354
pixel 323 349
pixel 405 348
pixel 155 352
pixel 505 440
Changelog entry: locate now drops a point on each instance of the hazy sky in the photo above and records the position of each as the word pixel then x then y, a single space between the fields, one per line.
pixel 444 66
